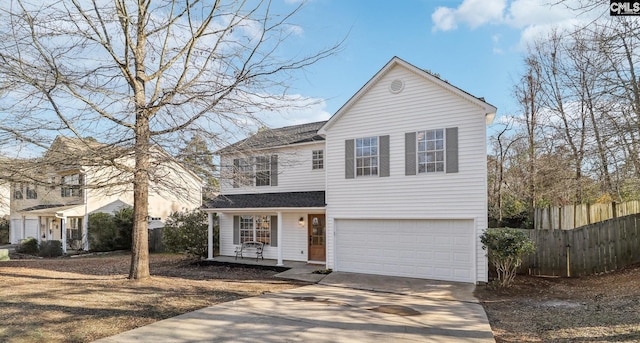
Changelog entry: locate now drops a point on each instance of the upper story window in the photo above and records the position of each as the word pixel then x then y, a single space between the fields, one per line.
pixel 263 171
pixel 366 156
pixel 258 171
pixel 70 185
pixel 430 151
pixel 31 192
pixel 317 159
pixel 17 191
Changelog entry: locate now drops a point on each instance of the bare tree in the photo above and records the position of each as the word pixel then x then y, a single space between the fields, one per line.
pixel 138 73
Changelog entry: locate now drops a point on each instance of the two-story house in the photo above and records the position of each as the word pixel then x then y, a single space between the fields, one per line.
pixel 81 177
pixel 395 183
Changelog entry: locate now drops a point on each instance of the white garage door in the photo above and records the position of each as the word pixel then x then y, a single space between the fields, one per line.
pixel 429 249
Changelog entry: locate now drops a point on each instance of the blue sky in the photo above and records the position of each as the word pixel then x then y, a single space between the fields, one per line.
pixel 477 45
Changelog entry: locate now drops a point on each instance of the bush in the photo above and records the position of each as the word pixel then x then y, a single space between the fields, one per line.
pixel 506 248
pixel 50 249
pixel 4 230
pixel 28 246
pixel 186 232
pixel 111 232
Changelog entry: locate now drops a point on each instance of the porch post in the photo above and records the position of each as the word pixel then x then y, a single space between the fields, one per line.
pixel 85 232
pixel 63 227
pixel 23 228
pixel 280 263
pixel 210 237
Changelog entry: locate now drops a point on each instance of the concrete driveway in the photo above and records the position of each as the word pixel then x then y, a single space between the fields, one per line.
pixel 343 307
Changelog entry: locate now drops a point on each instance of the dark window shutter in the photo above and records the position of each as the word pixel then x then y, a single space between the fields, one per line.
pixel 349 159
pixel 234 173
pixel 274 170
pixel 410 153
pixel 384 156
pixel 236 229
pixel 274 231
pixel 452 150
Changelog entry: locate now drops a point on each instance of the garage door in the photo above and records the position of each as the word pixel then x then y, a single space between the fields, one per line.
pixel 430 249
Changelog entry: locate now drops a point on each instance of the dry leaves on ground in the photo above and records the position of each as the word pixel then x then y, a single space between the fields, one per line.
pixel 599 308
pixel 83 299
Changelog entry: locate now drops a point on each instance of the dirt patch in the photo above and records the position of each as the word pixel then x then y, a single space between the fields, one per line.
pixel 600 308
pixel 87 298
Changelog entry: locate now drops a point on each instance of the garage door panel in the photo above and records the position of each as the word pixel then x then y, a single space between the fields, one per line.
pixel 434 249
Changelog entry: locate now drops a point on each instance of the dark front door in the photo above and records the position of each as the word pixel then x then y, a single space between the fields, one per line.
pixel 317 248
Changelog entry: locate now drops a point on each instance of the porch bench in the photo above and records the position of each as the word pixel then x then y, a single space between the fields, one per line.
pixel 250 247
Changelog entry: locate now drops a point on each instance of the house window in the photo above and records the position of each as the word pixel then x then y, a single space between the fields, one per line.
pixel 17 191
pixel 317 159
pixel 366 156
pixel 243 172
pixel 430 151
pixel 74 228
pixel 255 228
pixel 31 192
pixel 263 171
pixel 70 186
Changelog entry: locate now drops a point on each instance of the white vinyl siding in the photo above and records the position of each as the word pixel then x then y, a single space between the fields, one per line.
pixel 421 105
pixel 293 172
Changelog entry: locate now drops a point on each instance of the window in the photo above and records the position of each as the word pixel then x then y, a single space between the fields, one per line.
pixel 366 156
pixel 31 192
pixel 17 191
pixel 70 186
pixel 317 159
pixel 258 171
pixel 430 151
pixel 263 171
pixel 74 228
pixel 255 228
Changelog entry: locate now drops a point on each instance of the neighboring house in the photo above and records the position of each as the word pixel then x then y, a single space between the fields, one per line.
pixel 79 186
pixel 395 183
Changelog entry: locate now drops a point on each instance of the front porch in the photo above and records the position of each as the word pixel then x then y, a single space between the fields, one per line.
pixel 295 270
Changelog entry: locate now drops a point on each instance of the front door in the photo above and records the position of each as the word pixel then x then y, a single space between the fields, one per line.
pixel 317 248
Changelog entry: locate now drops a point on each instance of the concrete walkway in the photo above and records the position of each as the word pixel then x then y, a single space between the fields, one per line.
pixel 343 307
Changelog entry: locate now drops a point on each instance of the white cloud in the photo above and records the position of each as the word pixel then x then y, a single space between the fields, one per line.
pixel 474 13
pixel 532 17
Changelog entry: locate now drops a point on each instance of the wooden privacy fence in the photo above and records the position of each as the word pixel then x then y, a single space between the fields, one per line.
pixel 595 248
pixel 573 216
pixel 155 240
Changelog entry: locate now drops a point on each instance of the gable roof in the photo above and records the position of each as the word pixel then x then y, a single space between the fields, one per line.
pixel 268 200
pixel 271 138
pixel 489 109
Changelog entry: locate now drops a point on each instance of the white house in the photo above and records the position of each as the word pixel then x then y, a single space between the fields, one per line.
pixel 395 183
pixel 79 186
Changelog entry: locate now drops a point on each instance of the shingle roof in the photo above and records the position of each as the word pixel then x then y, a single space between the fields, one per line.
pixel 268 200
pixel 270 138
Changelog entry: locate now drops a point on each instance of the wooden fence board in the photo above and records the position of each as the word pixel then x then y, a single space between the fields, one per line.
pixel 601 247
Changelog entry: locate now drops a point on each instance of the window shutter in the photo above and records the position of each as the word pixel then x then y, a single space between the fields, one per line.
pixel 274 231
pixel 234 174
pixel 384 156
pixel 236 229
pixel 274 170
pixel 410 153
pixel 452 150
pixel 349 159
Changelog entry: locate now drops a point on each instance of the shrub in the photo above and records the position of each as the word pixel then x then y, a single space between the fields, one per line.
pixel 50 249
pixel 102 232
pixel 186 232
pixel 111 232
pixel 506 248
pixel 4 230
pixel 28 246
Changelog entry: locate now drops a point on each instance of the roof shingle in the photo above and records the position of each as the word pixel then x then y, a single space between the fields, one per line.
pixel 268 200
pixel 271 138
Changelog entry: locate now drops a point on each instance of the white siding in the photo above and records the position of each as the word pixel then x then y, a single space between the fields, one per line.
pixel 294 237
pixel 294 171
pixel 421 105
